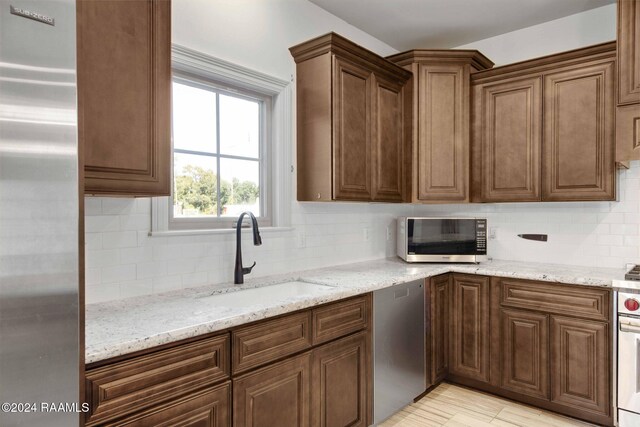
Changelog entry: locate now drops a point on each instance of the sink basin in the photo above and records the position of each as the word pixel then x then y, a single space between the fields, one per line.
pixel 266 295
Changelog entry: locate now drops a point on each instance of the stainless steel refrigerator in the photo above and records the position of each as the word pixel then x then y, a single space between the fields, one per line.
pixel 39 216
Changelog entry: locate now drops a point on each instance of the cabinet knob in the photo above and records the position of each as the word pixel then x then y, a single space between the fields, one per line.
pixel 319 196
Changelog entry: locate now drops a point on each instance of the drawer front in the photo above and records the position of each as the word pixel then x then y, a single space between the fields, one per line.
pixel 340 319
pixel 207 408
pixel 132 385
pixel 584 302
pixel 271 340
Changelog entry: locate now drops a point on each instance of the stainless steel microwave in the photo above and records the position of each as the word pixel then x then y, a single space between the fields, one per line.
pixel 442 239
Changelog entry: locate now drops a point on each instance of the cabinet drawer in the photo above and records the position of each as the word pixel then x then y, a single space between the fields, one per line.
pixel 132 385
pixel 207 408
pixel 340 319
pixel 268 341
pixel 556 298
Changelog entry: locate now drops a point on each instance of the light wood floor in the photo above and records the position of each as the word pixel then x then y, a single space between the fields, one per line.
pixel 450 405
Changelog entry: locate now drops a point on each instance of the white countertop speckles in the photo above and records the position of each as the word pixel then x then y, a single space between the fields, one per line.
pixel 119 327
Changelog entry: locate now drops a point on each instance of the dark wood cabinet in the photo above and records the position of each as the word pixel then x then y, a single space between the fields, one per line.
pixel 208 408
pixel 628 111
pixel 351 132
pixel 124 96
pixel 524 352
pixel 387 140
pixel 270 340
pixel 580 367
pixel 277 395
pixel 579 133
pixel 544 129
pixel 438 308
pixel 342 381
pixel 508 123
pixel 440 123
pixel 629 51
pixel 150 381
pixel 627 133
pixel 351 139
pixel 469 346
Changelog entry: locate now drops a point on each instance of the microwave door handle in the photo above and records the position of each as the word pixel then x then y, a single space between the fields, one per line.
pixel 629 326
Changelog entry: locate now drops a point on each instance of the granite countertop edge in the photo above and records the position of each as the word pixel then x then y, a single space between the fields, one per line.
pixel 120 327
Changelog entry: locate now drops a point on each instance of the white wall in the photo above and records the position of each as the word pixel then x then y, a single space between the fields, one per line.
pixel 257 34
pixel 571 32
pixel 123 261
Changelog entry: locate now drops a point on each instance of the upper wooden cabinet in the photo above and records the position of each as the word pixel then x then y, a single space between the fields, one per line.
pixel 628 51
pixel 544 129
pixel 509 124
pixel 124 95
pixel 579 133
pixel 440 122
pixel 628 113
pixel 351 141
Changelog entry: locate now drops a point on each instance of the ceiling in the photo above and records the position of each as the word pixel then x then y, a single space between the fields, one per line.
pixel 408 24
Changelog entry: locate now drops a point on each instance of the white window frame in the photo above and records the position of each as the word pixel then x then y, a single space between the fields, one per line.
pixel 275 168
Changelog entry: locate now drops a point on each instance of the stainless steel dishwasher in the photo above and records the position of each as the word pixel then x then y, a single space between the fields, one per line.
pixel 398 348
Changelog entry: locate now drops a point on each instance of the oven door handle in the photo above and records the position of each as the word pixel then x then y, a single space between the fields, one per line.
pixel 629 326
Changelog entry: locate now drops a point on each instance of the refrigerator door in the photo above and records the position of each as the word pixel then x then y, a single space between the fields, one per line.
pixel 39 216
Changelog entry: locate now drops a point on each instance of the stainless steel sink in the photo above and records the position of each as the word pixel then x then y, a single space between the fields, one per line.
pixel 267 295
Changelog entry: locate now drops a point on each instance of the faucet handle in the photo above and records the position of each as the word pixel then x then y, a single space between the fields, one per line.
pixel 247 270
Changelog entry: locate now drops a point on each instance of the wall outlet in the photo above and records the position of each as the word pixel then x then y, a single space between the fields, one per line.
pixel 389 235
pixel 366 234
pixel 301 240
pixel 492 233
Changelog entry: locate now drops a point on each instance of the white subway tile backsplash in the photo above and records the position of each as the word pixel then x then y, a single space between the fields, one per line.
pixel 123 260
pixel 119 239
pixel 118 273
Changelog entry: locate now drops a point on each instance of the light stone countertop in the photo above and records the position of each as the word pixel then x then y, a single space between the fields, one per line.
pixel 124 326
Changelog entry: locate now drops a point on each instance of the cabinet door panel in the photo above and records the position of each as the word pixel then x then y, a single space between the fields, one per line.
pixel 340 393
pixel 525 348
pixel 387 141
pixel 443 139
pixel 351 132
pixel 511 139
pixel 470 345
pixel 579 139
pixel 580 364
pixel 124 93
pixel 277 395
pixel 439 325
pixel 628 51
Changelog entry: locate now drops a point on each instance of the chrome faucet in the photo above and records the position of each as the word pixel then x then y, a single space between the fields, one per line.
pixel 240 271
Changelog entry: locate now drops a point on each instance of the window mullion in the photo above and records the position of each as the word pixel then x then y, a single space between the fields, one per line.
pixel 218 180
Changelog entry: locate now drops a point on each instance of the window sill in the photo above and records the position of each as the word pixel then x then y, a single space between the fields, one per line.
pixel 222 231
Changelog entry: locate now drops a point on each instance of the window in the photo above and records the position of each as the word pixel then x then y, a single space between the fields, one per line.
pixel 220 154
pixel 231 147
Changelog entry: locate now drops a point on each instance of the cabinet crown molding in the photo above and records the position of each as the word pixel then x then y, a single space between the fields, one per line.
pixel 604 51
pixel 464 56
pixel 337 44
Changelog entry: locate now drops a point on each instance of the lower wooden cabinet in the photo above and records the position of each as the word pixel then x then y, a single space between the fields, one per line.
pixel 274 372
pixel 470 334
pixel 341 383
pixel 544 344
pixel 524 352
pixel 278 395
pixel 438 306
pixel 580 369
pixel 208 408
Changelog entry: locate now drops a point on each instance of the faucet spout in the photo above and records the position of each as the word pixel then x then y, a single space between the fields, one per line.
pixel 240 271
